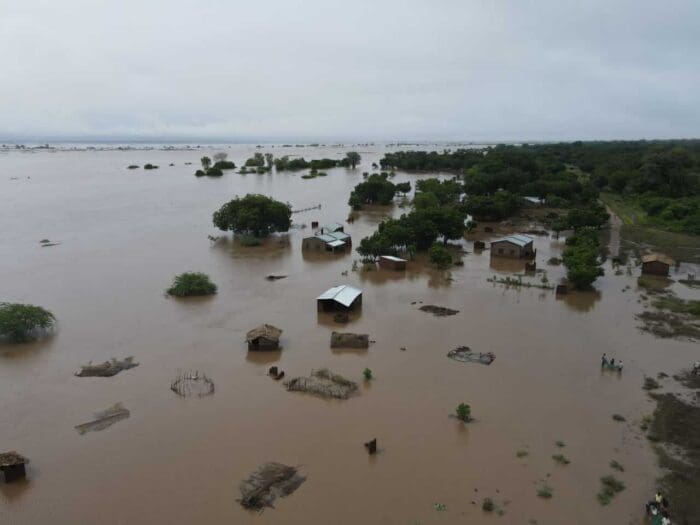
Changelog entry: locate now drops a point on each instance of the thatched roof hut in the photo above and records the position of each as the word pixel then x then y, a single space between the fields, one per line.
pixel 264 337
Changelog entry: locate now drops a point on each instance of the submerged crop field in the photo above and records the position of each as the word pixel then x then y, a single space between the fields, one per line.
pixel 526 426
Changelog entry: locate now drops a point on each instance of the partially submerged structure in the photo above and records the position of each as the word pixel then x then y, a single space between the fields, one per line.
pixel 268 481
pixel 264 337
pixel 12 466
pixel 192 383
pixel 330 238
pixel 656 264
pixel 341 297
pixel 513 246
pixel 104 419
pixel 323 383
pixel 107 369
pixel 349 340
pixel 464 354
pixel 390 262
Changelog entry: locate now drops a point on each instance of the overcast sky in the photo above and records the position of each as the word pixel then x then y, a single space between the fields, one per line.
pixel 351 70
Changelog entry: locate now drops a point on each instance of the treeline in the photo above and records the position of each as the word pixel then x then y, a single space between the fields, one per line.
pixel 437 214
pixel 661 178
pixel 351 159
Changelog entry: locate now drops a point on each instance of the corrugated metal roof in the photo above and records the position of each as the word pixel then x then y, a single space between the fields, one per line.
pixel 519 240
pixel 342 294
pixel 326 238
pixel 336 244
pixel 339 235
pixel 331 228
pixel 392 258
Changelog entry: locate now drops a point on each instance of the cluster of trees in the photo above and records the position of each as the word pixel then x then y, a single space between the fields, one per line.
pixel 594 217
pixel 215 169
pixel 659 178
pixel 376 189
pixel 351 159
pixel 581 258
pixel 254 215
pixel 439 215
pixel 20 323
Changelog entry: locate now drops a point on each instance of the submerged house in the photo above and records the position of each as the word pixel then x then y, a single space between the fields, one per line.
pixel 12 466
pixel 389 262
pixel 342 297
pixel 513 246
pixel 264 337
pixel 330 238
pixel 656 264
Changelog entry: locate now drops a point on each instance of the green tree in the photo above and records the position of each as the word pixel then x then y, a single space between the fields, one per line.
pixel 206 162
pixel 375 190
pixel 20 323
pixel 440 256
pixel 581 259
pixel 255 215
pixel 269 158
pixel 256 160
pixel 191 284
pixel 352 158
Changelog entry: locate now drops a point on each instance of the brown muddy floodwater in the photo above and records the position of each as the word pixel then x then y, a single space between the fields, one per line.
pixel 124 234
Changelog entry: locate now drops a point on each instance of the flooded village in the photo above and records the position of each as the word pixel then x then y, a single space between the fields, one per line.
pixel 322 377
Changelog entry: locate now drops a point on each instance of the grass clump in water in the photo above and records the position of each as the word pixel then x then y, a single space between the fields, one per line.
pixel 650 384
pixel 464 412
pixel 561 459
pixel 545 492
pixel 190 284
pixel 611 486
pixel 618 417
pixel 488 505
pixel 616 466
pixel 560 444
pixel 522 453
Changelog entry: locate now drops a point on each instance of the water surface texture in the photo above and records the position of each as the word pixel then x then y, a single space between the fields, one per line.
pixel 124 234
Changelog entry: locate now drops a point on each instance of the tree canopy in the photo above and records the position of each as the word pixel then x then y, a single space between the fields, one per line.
pixel 255 215
pixel 20 323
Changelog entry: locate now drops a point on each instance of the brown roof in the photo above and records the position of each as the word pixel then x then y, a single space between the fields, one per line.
pixel 264 330
pixel 9 459
pixel 653 257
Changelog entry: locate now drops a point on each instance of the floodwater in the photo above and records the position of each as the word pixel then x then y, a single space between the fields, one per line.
pixel 124 234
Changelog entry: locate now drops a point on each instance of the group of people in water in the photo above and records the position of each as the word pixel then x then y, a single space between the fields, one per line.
pixel 606 362
pixel 658 510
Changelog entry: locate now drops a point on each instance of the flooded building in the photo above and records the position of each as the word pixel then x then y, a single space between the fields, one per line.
pixel 264 337
pixel 333 228
pixel 513 246
pixel 341 297
pixel 656 264
pixel 12 466
pixel 330 238
pixel 389 262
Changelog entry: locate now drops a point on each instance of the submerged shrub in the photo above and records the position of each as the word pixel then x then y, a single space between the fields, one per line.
pixel 561 459
pixel 192 283
pixel 545 491
pixel 464 412
pixel 440 256
pixel 150 167
pixel 611 486
pixel 20 323
pixel 488 505
pixel 367 373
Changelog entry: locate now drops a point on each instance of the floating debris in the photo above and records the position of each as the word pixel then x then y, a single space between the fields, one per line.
pixel 349 340
pixel 438 311
pixel 464 354
pixel 106 369
pixel 192 383
pixel 323 383
pixel 104 419
pixel 371 446
pixel 275 277
pixel 261 488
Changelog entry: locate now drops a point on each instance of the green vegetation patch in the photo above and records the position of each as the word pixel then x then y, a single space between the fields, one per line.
pixel 616 466
pixel 463 412
pixel 561 459
pixel 192 283
pixel 676 427
pixel 610 487
pixel 21 323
